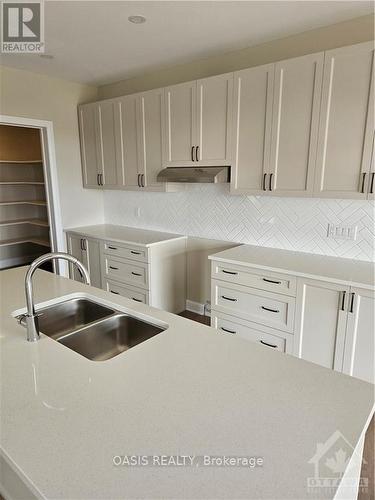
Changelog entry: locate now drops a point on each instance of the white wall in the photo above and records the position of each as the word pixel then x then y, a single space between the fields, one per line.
pixel 32 95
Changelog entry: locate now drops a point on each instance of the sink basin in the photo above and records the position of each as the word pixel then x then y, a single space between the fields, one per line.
pixel 62 318
pixel 110 337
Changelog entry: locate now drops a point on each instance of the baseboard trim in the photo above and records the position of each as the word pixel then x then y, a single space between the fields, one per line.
pixel 196 307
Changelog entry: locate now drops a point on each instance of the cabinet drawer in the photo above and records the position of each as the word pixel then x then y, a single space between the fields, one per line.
pixel 130 292
pixel 131 252
pixel 229 326
pixel 126 271
pixel 266 308
pixel 257 278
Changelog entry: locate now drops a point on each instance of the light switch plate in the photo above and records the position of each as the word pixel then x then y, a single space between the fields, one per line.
pixel 340 232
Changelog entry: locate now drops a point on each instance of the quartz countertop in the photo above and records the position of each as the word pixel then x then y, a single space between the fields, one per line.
pixel 321 267
pixel 124 234
pixel 187 391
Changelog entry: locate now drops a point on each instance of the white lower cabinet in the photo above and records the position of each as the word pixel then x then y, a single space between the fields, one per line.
pixel 87 251
pixel 359 353
pixel 321 322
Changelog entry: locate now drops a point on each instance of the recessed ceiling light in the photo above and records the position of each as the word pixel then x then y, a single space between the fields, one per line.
pixel 137 19
pixel 46 56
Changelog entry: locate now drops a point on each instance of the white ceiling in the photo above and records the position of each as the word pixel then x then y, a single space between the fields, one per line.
pixel 93 42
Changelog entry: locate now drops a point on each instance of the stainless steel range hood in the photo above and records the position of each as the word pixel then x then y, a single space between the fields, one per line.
pixel 194 174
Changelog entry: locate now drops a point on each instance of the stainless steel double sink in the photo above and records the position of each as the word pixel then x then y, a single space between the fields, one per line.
pixel 93 330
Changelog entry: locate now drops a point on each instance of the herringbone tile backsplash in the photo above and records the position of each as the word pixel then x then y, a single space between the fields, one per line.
pixel 209 211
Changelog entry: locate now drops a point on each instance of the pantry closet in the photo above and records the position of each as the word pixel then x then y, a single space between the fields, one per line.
pixel 24 224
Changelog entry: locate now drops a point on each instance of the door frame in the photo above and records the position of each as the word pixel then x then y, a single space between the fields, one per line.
pixel 58 243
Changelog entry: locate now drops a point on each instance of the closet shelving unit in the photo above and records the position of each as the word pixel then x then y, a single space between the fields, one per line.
pixel 24 225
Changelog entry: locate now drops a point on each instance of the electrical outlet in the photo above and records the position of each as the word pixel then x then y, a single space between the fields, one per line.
pixel 339 232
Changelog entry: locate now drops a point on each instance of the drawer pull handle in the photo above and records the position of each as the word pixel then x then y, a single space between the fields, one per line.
pixel 226 330
pixel 116 293
pixel 112 267
pixel 271 281
pixel 270 310
pixel 268 345
pixel 135 253
pixel 229 298
pixel 112 248
pixel 137 300
pixel 136 274
pixel 229 272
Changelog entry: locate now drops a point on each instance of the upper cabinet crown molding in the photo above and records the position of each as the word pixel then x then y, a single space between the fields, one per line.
pixel 346 131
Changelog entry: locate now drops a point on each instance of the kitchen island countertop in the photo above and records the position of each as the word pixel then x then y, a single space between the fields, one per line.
pixel 187 391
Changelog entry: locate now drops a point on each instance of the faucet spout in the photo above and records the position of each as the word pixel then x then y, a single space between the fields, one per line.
pixel 31 318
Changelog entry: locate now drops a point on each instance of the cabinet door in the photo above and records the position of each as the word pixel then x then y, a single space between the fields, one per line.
pixel 91 259
pixel 180 119
pixel 75 248
pixel 214 120
pixel 130 140
pixel 151 126
pixel 110 143
pixel 346 123
pixel 253 93
pixel 295 123
pixel 360 333
pixel 321 322
pixel 90 153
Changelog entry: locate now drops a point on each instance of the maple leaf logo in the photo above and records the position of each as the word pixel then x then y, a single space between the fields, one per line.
pixel 338 463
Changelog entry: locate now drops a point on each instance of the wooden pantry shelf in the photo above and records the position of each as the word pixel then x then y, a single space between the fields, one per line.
pixel 21 183
pixel 24 202
pixel 22 162
pixel 34 222
pixel 25 239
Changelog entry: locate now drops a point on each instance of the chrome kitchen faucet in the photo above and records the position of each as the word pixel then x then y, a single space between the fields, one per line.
pixel 31 318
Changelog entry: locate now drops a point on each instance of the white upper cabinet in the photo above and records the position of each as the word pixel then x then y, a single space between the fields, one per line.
pixel 130 140
pixel 253 94
pixel 90 150
pixel 295 120
pixel 214 120
pixel 151 125
pixel 110 144
pixel 198 117
pixel 321 343
pixel 346 123
pixel 360 338
pixel 180 124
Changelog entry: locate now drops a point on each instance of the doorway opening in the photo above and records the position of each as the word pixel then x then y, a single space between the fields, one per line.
pixel 30 221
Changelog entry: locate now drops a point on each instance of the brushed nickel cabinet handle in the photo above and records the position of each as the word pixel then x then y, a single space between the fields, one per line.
pixel 267 344
pixel 270 310
pixel 84 242
pixel 143 180
pixel 229 272
pixel 81 243
pixel 264 182
pixel 136 274
pixel 192 153
pixel 372 183
pixel 271 281
pixel 116 293
pixel 114 268
pixel 270 182
pixel 351 307
pixel 343 297
pixel 134 252
pixel 139 185
pixel 137 300
pixel 363 182
pixel 229 298
pixel 112 248
pixel 227 331
pixel 97 179
pixel 196 153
